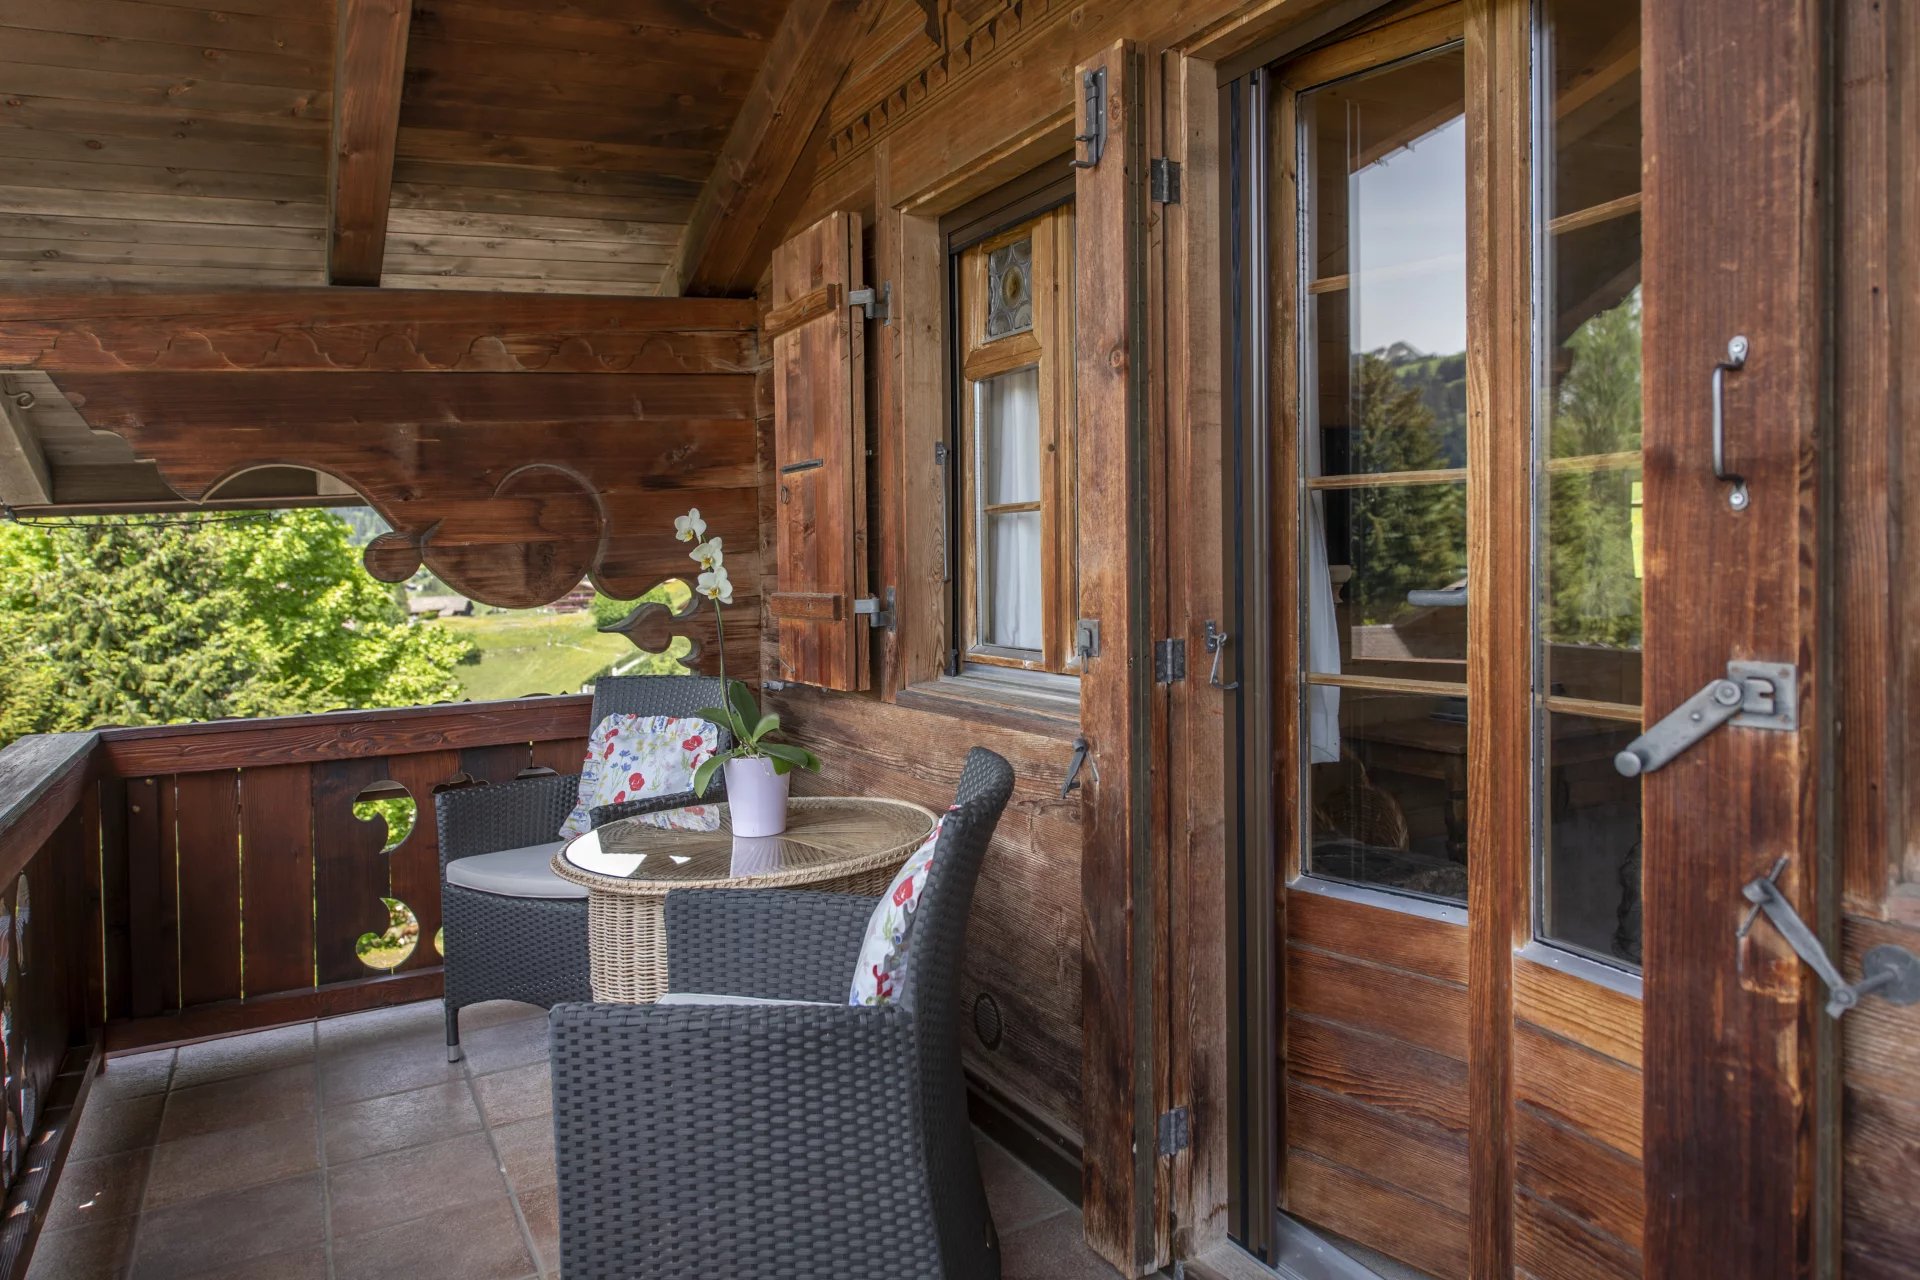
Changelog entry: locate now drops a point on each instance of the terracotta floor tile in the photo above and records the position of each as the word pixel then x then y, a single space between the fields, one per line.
pixel 98 1189
pixel 1016 1195
pixel 509 1044
pixel 1053 1249
pixel 243 1055
pixel 377 1028
pixel 479 1241
pixel 93 1251
pixel 226 1230
pixel 526 1152
pixel 518 1094
pixel 391 1122
pixel 111 1124
pixel 229 1159
pixel 541 1208
pixel 306 1263
pixel 371 1073
pixel 134 1075
pixel 285 1093
pixel 379 1192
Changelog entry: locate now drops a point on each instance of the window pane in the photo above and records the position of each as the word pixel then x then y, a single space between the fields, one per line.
pixel 1010 581
pixel 1007 407
pixel 1588 561
pixel 1388 792
pixel 1398 579
pixel 1592 884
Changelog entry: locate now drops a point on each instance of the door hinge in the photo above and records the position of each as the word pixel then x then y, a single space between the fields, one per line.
pixel 1163 180
pixel 1176 1133
pixel 1169 661
pixel 1753 695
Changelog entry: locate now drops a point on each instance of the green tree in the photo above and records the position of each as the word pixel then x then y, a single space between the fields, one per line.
pixel 1594 593
pixel 103 623
pixel 1404 537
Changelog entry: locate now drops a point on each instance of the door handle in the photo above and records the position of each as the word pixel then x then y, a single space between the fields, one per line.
pixel 1736 359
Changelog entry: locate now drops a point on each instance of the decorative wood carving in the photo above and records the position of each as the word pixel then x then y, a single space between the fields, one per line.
pixel 511 488
pixel 1018 22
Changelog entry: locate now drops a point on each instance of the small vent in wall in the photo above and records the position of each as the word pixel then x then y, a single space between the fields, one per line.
pixel 986 1020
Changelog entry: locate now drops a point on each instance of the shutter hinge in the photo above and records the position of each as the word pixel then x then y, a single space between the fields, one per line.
pixel 1176 1134
pixel 878 306
pixel 869 607
pixel 1163 180
pixel 1169 661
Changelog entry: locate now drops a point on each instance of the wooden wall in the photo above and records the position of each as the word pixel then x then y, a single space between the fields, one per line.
pixel 1876 794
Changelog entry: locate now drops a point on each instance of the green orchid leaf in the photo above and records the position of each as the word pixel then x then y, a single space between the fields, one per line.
pixel 786 756
pixel 740 698
pixel 703 776
pixel 769 723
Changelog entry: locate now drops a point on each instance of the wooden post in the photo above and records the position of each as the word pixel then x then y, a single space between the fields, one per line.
pixel 1736 186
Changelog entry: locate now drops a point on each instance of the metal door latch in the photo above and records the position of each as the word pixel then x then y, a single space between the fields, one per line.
pixel 1886 971
pixel 1082 757
pixel 1216 641
pixel 1754 695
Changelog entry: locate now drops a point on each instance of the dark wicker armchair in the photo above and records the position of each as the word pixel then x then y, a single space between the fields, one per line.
pixel 782 1139
pixel 519 932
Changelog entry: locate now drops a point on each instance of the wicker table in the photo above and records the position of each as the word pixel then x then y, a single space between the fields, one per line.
pixel 629 866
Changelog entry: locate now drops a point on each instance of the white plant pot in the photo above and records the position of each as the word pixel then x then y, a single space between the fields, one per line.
pixel 756 797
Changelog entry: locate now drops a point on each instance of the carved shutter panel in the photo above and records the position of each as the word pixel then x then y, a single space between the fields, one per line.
pixel 819 407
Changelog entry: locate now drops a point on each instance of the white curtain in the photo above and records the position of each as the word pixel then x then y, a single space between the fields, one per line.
pixel 1007 411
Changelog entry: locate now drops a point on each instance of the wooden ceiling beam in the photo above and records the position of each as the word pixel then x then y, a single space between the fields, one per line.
pixel 396 330
pixel 730 236
pixel 370 61
pixel 25 480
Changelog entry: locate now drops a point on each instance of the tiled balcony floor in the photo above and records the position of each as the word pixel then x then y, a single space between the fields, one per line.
pixel 352 1149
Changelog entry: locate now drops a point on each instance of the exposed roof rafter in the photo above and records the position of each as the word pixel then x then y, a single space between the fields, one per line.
pixel 370 58
pixel 731 233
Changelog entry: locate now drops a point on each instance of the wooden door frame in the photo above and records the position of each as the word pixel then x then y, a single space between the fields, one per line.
pixel 1741 1118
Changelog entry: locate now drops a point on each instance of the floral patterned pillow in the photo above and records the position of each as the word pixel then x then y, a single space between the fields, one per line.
pixel 633 757
pixel 883 956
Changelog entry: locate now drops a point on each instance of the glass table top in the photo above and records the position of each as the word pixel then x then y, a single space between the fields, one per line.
pixel 697 843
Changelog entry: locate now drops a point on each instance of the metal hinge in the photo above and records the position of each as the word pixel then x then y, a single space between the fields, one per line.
pixel 878 306
pixel 1169 661
pixel 1176 1133
pixel 1094 85
pixel 1888 971
pixel 1163 180
pixel 877 618
pixel 1754 695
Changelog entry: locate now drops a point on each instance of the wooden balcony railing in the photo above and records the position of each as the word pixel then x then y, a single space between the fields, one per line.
pixel 169 884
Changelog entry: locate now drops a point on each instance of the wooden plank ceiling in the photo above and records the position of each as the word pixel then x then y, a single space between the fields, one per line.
pixel 621 147
pixel 539 145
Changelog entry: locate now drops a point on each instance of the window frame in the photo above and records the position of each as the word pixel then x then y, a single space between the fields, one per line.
pixel 1044 211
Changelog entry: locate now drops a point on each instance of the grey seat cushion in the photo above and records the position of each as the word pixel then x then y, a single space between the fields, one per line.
pixel 700 997
pixel 515 873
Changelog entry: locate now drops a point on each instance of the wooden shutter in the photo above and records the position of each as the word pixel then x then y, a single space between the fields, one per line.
pixel 1122 997
pixel 819 407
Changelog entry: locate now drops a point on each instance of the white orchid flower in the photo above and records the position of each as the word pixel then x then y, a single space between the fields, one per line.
pixel 690 527
pixel 716 586
pixel 708 555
